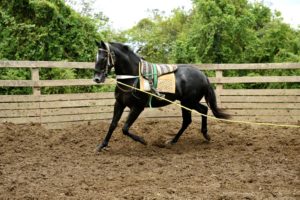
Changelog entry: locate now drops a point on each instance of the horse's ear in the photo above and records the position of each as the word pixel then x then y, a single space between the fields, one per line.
pixel 97 43
pixel 100 44
pixel 127 48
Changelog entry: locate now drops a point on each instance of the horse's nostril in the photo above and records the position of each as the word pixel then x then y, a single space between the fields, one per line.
pixel 97 79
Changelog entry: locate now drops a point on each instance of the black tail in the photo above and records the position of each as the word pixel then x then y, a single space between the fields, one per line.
pixel 211 101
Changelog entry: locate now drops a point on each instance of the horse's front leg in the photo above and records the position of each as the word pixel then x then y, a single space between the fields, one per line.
pixel 118 111
pixel 133 115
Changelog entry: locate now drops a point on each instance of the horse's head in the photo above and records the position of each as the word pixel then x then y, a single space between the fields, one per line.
pixel 105 60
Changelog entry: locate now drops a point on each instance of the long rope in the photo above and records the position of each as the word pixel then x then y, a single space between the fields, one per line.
pixel 211 117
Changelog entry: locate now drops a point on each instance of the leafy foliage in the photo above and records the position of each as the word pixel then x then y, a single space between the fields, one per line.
pixel 220 31
pixel 47 30
pixel 217 31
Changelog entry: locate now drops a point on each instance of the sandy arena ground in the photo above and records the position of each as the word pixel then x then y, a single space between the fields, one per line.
pixel 241 162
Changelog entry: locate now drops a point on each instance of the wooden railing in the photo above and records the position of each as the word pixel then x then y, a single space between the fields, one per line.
pixel 264 105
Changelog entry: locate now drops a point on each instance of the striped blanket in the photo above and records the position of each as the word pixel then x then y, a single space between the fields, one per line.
pixel 151 71
pixel 158 76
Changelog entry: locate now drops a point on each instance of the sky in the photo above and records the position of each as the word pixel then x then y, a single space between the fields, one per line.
pixel 124 14
pixel 290 10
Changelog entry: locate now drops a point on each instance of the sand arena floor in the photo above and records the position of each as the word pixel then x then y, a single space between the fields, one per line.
pixel 241 162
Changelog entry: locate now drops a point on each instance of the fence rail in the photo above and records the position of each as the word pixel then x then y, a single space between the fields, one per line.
pixel 264 105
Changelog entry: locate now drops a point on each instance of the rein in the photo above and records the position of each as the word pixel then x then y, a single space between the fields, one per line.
pixel 125 77
pixel 131 89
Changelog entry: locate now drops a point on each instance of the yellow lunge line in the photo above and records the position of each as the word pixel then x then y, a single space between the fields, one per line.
pixel 211 117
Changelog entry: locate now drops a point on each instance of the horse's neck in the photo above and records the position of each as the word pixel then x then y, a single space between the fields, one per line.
pixel 129 67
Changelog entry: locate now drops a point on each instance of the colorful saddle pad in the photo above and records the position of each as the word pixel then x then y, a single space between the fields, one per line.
pixel 162 74
pixel 150 70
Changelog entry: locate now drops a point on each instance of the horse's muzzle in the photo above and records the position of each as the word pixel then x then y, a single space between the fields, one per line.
pixel 99 77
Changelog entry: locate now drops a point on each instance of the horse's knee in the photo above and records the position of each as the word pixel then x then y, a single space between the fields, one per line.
pixel 187 120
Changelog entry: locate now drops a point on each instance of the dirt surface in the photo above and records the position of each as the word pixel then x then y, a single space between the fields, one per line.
pixel 241 162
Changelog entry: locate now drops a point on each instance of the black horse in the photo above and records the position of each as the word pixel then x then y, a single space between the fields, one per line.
pixel 191 86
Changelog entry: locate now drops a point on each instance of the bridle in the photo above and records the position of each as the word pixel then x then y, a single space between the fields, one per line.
pixel 110 59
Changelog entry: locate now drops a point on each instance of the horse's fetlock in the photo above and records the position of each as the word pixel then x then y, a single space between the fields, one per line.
pixel 125 131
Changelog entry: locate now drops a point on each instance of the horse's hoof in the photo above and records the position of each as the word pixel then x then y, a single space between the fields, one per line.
pixel 101 147
pixel 142 141
pixel 206 136
pixel 170 142
pixel 161 143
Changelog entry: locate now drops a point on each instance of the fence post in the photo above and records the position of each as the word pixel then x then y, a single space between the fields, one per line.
pixel 35 76
pixel 219 85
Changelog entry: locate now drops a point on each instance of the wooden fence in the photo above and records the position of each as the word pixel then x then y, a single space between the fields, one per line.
pixel 57 110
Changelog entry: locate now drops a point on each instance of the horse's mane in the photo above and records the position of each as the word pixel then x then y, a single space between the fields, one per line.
pixel 124 48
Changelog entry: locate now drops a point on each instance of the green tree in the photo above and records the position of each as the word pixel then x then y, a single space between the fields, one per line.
pixel 217 31
pixel 156 34
pixel 47 30
pixel 220 31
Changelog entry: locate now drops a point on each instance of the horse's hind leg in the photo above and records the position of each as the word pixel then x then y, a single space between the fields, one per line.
pixel 118 111
pixel 203 110
pixel 186 121
pixel 133 115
